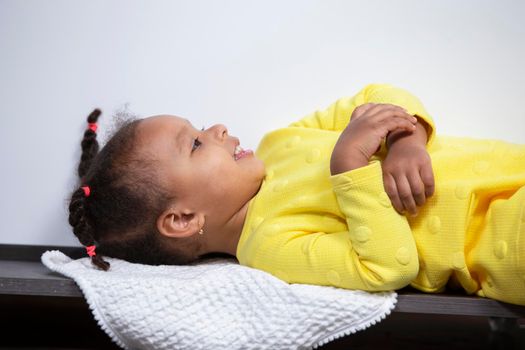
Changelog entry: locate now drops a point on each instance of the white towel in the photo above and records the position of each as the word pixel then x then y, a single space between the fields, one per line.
pixel 217 304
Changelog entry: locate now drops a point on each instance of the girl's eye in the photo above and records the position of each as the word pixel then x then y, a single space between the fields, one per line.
pixel 196 143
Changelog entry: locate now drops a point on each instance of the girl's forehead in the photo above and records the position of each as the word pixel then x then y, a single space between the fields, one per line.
pixel 164 119
pixel 159 134
pixel 158 123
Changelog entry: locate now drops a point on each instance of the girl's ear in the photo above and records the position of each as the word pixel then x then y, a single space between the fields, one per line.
pixel 176 223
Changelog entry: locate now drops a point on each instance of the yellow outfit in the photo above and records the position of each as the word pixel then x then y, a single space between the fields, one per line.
pixel 306 226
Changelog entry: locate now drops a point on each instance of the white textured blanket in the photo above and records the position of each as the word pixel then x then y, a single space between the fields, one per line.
pixel 217 304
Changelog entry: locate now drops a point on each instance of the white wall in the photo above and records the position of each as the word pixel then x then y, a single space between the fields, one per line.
pixel 252 65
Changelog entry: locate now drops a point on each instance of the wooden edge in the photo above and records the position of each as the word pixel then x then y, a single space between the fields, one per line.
pixel 457 305
pixel 409 301
pixel 38 287
pixel 34 252
pixel 418 303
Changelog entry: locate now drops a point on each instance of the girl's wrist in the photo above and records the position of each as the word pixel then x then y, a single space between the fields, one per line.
pixel 417 137
pixel 349 161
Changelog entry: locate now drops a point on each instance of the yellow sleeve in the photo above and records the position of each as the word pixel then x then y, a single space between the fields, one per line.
pixel 378 252
pixel 337 116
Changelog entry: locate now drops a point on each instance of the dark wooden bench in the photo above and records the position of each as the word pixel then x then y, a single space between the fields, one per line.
pixel 22 274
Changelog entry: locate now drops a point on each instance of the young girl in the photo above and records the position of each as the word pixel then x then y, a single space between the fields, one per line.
pixel 362 195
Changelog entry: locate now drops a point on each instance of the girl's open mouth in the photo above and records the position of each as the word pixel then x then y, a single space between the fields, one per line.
pixel 241 153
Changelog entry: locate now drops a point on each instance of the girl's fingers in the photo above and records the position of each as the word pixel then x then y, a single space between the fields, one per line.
pixel 399 116
pixel 391 191
pixel 417 187
pixel 427 175
pixel 382 107
pixel 398 123
pixel 362 109
pixel 384 111
pixel 405 194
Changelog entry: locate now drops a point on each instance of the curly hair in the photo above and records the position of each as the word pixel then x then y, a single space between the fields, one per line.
pixel 126 197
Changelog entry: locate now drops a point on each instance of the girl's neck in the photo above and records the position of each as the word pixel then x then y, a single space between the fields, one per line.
pixel 226 238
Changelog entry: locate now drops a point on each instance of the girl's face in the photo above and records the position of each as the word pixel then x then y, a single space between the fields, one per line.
pixel 200 165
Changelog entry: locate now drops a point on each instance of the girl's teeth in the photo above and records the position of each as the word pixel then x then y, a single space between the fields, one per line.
pixel 241 153
pixel 238 151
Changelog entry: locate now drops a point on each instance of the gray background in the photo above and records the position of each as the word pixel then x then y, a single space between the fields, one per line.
pixel 251 65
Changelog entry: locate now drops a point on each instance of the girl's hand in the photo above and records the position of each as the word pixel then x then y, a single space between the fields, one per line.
pixel 407 176
pixel 369 125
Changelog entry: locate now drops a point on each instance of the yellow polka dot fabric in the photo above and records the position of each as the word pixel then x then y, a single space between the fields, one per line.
pixel 306 226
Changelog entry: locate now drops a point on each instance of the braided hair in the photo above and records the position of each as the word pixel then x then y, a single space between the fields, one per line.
pixel 118 201
pixel 77 219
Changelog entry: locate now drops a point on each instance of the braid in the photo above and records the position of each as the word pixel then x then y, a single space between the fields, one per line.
pixel 89 145
pixel 77 217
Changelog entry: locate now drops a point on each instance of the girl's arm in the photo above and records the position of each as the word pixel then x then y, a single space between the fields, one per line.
pixel 407 169
pixel 337 116
pixel 375 251
pixel 362 137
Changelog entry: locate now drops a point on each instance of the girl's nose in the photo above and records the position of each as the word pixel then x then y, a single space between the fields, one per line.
pixel 220 131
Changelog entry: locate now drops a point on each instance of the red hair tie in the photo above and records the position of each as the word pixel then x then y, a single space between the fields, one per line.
pixel 90 249
pixel 93 126
pixel 87 190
